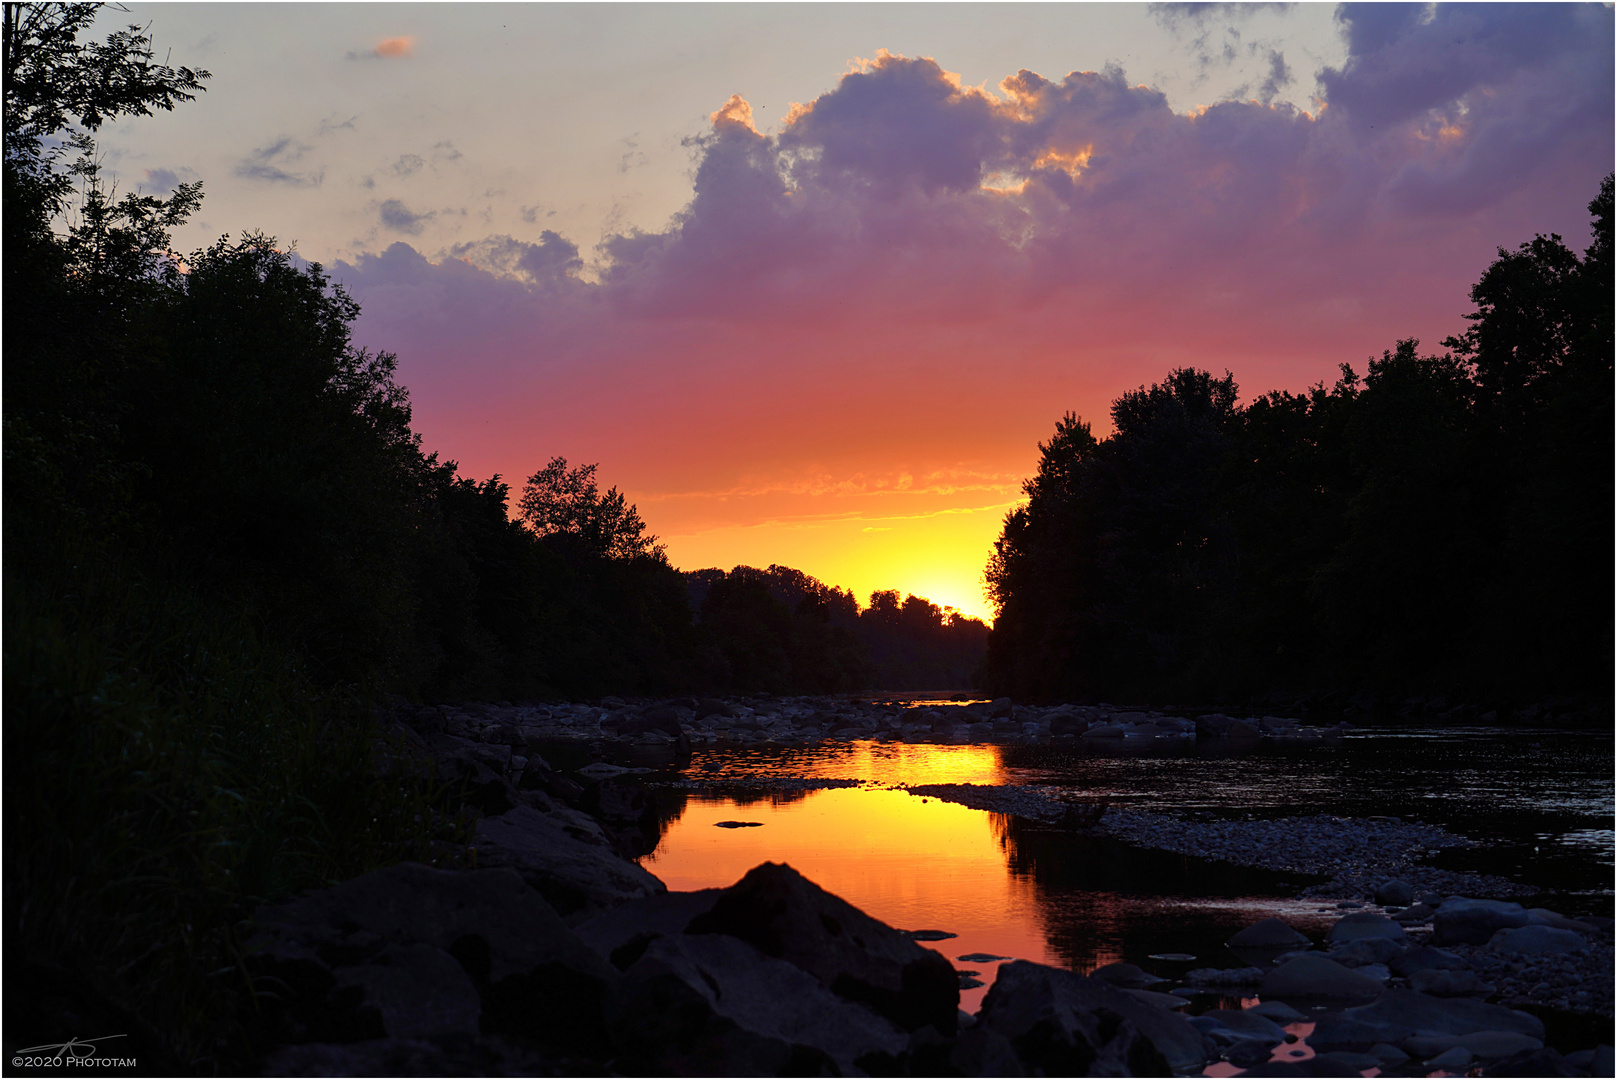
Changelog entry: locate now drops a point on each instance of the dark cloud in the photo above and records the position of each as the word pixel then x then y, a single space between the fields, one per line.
pixel 273 163
pixel 1278 78
pixel 902 199
pixel 408 164
pixel 1175 15
pixel 551 260
pixel 328 126
pixel 398 217
pixel 162 181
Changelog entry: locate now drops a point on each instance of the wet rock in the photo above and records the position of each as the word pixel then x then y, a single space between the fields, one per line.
pixel 1398 1014
pixel 411 1057
pixel 1267 934
pixel 1395 893
pixel 413 991
pixel 1425 957
pixel 712 1005
pixel 1313 976
pixel 531 974
pixel 1454 1058
pixel 1537 940
pixel 1357 1062
pixel 1127 976
pixel 574 868
pixel 1537 1063
pixel 1247 976
pixel 1441 983
pixel 1417 914
pixel 1364 924
pixel 1596 1062
pixel 621 935
pixel 1489 1045
pixel 1248 1024
pixel 1064 1024
pixel 1367 950
pixel 784 915
pixel 1151 997
pixel 1278 1011
pixel 1545 917
pixel 1473 922
pixel 979 1052
pixel 1388 1055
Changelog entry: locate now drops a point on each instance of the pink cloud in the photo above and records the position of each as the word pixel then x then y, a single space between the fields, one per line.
pixel 915 274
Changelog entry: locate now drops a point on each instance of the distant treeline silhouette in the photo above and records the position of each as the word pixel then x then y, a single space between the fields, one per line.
pixel 1441 526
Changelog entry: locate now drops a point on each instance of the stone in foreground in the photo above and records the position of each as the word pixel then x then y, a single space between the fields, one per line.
pixel 1064 1024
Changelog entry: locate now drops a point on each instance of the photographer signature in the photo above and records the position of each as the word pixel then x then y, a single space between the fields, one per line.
pixel 79 1048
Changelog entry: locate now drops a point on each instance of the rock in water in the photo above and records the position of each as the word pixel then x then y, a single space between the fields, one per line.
pixel 1473 922
pixel 1313 976
pixel 1364 924
pixel 1267 934
pixel 784 915
pixel 1064 1024
pixel 572 867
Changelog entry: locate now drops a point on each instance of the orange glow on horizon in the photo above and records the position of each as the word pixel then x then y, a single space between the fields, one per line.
pixel 938 555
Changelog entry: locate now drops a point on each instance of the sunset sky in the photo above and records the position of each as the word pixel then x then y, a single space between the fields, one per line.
pixel 811 282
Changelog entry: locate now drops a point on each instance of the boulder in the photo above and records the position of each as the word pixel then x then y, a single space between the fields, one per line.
pixel 622 934
pixel 1395 893
pixel 1065 1024
pixel 1491 1045
pixel 1267 934
pixel 532 975
pixel 1398 1014
pixel 1248 1024
pixel 999 707
pixel 1103 731
pixel 1366 950
pixel 1442 983
pixel 1462 921
pixel 1240 729
pixel 415 991
pixel 1537 1063
pixel 712 1005
pixel 1127 976
pixel 1424 957
pixel 566 858
pixel 1537 941
pixel 1278 1011
pixel 1364 924
pixel 1538 916
pixel 1314 976
pixel 784 915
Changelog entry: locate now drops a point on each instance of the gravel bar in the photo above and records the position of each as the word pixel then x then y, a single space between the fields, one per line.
pixel 1354 854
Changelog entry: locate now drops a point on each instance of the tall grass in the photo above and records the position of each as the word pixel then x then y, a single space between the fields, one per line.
pixel 167 769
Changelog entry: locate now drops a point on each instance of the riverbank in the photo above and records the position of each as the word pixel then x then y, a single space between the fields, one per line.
pixel 565 957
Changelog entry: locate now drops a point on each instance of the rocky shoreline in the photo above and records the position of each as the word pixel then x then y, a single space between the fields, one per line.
pixel 537 946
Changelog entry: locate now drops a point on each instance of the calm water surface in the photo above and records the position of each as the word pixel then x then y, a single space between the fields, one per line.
pixel 1011 890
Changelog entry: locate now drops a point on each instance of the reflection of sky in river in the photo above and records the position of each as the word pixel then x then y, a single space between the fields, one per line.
pixel 1011 888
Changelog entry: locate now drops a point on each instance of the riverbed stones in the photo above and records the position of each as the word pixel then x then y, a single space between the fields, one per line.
pixel 1311 975
pixel 784 915
pixel 712 1005
pixel 367 958
pixel 1364 924
pixel 1064 1024
pixel 1394 893
pixel 1267 934
pixel 1472 922
pixel 566 857
pixel 1367 950
pixel 1398 1014
pixel 1536 940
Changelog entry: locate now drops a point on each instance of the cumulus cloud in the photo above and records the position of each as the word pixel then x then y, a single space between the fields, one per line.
pixel 904 238
pixel 274 163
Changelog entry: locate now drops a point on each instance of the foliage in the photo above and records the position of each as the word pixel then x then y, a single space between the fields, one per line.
pixel 559 501
pixel 1442 526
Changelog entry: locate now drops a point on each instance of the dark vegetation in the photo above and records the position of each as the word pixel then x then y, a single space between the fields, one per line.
pixel 223 542
pixel 1437 530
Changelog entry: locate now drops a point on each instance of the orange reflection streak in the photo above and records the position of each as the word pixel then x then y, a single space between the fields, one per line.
pixel 910 763
pixel 912 863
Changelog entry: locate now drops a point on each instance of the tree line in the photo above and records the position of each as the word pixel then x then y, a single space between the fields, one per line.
pixel 1439 526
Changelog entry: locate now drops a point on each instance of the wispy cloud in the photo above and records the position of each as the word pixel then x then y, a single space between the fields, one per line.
pixel 273 164
pixel 400 218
